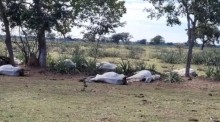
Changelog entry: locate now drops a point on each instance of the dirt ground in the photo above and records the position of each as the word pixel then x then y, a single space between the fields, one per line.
pixel 194 84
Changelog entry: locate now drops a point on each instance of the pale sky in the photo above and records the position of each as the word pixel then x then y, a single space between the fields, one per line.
pixel 141 27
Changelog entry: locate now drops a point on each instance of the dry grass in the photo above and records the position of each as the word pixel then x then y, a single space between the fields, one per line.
pixel 52 97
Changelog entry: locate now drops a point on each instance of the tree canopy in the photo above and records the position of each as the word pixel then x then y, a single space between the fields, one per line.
pixel 157 40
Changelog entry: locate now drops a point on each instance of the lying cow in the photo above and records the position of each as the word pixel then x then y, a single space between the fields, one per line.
pixel 106 66
pixel 144 76
pixel 181 72
pixel 109 77
pixel 10 70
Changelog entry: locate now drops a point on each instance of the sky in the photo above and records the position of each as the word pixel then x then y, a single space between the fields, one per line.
pixel 141 27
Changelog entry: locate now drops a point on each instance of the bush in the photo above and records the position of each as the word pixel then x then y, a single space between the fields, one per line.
pixel 125 67
pixel 199 58
pixel 140 65
pixel 91 68
pixel 61 67
pixel 107 53
pixel 78 57
pixel 172 77
pixel 170 56
pixel 134 51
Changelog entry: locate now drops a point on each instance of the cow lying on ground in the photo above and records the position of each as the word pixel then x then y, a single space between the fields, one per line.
pixel 10 70
pixel 181 72
pixel 144 76
pixel 106 66
pixel 108 77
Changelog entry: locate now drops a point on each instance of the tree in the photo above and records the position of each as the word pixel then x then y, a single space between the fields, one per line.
pixel 194 10
pixel 157 40
pixel 142 42
pixel 4 18
pixel 124 37
pixel 103 17
pixel 209 34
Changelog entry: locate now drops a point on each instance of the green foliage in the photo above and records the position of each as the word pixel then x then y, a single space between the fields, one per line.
pixel 125 67
pixel 134 51
pixel 124 37
pixel 61 67
pixel 169 56
pixel 107 53
pixel 91 68
pixel 213 70
pixel 139 65
pixel 78 57
pixel 172 77
pixel 199 58
pixel 157 40
pixel 142 42
pixel 152 68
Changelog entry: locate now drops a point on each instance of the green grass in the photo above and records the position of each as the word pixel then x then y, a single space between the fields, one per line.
pixel 60 99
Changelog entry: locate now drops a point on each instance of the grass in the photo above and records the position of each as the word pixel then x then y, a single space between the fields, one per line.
pixel 53 97
pixel 59 98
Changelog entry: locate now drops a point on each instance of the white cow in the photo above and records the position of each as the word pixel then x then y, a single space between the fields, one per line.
pixel 182 72
pixel 144 76
pixel 106 66
pixel 109 77
pixel 69 63
pixel 11 70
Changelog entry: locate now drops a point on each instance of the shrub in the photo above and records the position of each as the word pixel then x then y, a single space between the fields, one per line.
pixel 91 68
pixel 61 67
pixel 78 57
pixel 199 58
pixel 140 65
pixel 169 56
pixel 107 53
pixel 134 51
pixel 172 77
pixel 125 67
pixel 152 68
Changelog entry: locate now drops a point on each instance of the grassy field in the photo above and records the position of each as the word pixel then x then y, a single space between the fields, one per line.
pixel 58 98
pixel 48 97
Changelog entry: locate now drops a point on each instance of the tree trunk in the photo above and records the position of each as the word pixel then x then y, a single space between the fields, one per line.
pixel 203 44
pixel 8 34
pixel 42 58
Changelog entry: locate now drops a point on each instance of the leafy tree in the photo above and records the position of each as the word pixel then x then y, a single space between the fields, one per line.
pixel 209 34
pixel 124 37
pixel 157 40
pixel 45 15
pixel 142 42
pixel 194 10
pixel 103 17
